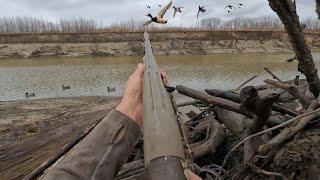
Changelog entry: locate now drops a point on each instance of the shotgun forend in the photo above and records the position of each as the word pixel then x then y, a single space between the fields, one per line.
pixel 163 147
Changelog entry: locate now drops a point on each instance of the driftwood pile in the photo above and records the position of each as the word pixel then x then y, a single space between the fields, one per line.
pixel 264 132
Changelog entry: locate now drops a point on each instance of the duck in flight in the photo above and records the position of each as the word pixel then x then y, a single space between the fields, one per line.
pixel 177 9
pixel 230 7
pixel 159 18
pixel 240 5
pixel 201 9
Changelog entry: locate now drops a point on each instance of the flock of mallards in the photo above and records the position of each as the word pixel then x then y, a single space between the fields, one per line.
pixel 159 18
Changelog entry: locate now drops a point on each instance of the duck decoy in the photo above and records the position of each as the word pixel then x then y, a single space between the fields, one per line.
pixel 65 87
pixel 29 95
pixel 177 9
pixel 201 9
pixel 148 7
pixel 111 89
pixel 159 18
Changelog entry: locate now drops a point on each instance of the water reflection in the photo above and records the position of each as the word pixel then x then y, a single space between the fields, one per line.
pixel 92 76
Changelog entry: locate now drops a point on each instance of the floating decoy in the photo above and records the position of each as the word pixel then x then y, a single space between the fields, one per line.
pixel 201 9
pixel 111 89
pixel 65 87
pixel 177 9
pixel 159 18
pixel 30 95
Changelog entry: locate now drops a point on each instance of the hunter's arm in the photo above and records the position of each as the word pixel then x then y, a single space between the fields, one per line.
pixel 102 153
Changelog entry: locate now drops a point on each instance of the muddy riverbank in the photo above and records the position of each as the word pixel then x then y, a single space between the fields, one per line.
pixel 28 45
pixel 32 131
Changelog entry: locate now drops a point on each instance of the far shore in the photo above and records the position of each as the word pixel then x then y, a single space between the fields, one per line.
pixel 31 45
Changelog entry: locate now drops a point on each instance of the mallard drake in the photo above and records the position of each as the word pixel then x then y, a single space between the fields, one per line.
pixel 29 95
pixel 111 89
pixel 201 9
pixel 177 9
pixel 159 18
pixel 65 87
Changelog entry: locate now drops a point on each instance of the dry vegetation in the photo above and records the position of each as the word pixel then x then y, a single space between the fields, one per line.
pixel 80 25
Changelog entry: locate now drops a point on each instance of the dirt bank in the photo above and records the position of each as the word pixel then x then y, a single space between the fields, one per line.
pixel 33 131
pixel 130 43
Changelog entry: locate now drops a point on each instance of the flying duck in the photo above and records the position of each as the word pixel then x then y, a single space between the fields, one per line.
pixel 201 9
pixel 230 7
pixel 159 18
pixel 177 9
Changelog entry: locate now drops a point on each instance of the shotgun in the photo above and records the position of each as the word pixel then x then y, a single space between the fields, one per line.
pixel 164 153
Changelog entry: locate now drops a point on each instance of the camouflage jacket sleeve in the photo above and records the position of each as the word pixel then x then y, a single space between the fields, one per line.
pixel 102 153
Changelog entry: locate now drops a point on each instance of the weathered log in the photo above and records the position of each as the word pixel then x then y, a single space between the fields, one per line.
pixel 290 131
pixel 236 98
pixel 216 137
pixel 273 75
pixel 246 82
pixel 292 90
pixel 232 106
pixel 189 103
pixel 224 94
pixel 318 8
pixel 287 13
pixel 314 105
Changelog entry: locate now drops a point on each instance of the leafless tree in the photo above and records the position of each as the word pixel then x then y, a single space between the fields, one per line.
pixel 211 23
pixel 286 11
pixel 318 8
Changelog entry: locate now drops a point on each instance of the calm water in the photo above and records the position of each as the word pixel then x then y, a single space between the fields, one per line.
pixel 92 76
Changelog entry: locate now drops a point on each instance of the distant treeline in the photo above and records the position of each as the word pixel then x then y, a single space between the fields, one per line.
pixel 80 25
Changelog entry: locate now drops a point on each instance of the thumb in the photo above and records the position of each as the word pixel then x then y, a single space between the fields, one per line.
pixel 140 70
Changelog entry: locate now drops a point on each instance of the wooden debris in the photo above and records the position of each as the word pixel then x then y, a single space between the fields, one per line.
pixel 246 82
pixel 232 106
pixel 273 75
pixel 292 90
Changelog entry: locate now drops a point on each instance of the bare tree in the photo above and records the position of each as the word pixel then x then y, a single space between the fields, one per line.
pixel 287 13
pixel 212 23
pixel 318 8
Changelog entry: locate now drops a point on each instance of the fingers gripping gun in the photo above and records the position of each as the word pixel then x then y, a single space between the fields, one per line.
pixel 163 147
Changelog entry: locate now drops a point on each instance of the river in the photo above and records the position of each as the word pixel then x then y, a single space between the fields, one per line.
pixel 91 76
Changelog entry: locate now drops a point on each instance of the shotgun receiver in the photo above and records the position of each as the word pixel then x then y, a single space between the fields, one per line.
pixel 163 147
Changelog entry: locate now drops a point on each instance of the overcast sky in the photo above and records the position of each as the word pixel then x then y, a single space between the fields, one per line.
pixel 113 11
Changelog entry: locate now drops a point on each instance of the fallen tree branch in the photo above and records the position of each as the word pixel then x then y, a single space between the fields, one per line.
pixel 273 75
pixel 292 59
pixel 236 98
pixel 246 82
pixel 306 115
pixel 266 173
pixel 189 103
pixel 318 8
pixel 229 105
pixel 216 137
pixel 292 90
pixel 288 132
pixel 314 105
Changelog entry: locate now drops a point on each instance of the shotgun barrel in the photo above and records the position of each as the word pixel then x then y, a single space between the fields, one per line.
pixel 163 147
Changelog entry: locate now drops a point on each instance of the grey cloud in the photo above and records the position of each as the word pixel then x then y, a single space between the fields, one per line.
pixel 113 11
